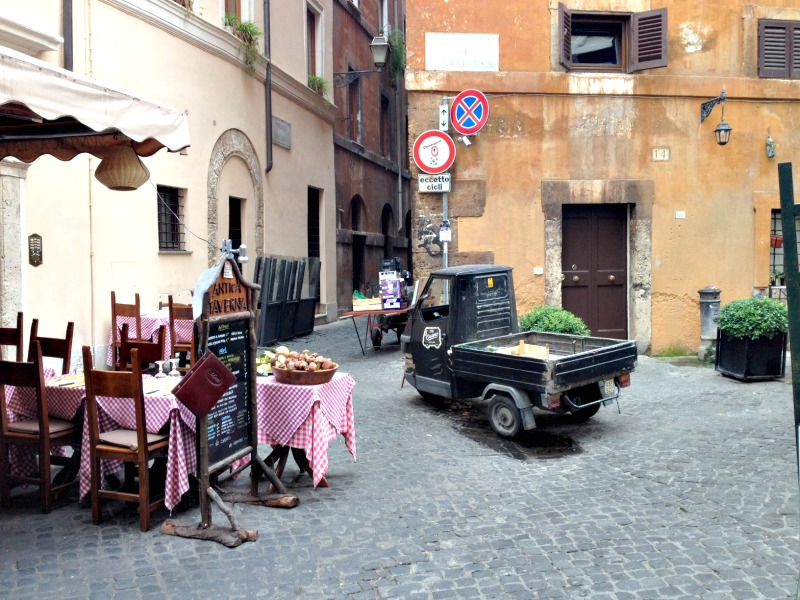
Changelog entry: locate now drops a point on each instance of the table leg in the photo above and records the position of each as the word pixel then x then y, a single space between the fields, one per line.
pixel 301 459
pixel 358 335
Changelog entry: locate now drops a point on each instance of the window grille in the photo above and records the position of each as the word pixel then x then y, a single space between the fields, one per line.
pixel 170 219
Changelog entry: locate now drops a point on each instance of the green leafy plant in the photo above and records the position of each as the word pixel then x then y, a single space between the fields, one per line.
pixel 318 84
pixel 397 55
pixel 230 20
pixel 753 318
pixel 249 33
pixel 775 277
pixel 554 320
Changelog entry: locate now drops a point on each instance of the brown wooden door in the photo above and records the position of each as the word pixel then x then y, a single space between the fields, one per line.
pixel 594 263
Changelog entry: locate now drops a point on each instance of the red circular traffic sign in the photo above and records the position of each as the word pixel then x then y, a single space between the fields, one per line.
pixel 434 152
pixel 469 112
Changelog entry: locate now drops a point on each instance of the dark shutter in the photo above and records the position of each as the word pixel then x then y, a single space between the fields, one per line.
pixel 564 36
pixel 649 39
pixel 773 48
pixel 794 71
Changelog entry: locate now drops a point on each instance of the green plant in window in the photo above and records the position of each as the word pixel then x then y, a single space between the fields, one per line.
pixel 318 84
pixel 230 21
pixel 249 34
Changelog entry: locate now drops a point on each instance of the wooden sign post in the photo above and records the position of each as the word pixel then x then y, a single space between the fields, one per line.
pixel 227 307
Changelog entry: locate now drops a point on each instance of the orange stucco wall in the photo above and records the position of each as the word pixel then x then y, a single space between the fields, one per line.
pixel 546 124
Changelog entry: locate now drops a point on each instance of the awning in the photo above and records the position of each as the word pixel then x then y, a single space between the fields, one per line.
pixel 48 110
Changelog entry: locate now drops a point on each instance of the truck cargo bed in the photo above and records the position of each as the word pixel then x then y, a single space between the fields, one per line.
pixel 570 360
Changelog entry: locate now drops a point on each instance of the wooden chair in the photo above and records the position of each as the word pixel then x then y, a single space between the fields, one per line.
pixel 41 433
pixel 119 309
pixel 149 352
pixel 135 447
pixel 13 336
pixel 53 347
pixel 181 312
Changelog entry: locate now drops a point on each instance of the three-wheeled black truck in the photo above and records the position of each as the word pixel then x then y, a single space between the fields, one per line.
pixel 463 341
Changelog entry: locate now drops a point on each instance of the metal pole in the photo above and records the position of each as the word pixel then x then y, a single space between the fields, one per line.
pixel 444 219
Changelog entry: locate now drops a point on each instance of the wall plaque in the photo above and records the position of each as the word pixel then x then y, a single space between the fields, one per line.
pixel 35 249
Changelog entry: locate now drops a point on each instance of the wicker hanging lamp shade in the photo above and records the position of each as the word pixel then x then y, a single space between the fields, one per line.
pixel 121 170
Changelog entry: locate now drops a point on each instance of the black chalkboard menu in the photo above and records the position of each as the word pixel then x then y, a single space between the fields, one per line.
pixel 229 419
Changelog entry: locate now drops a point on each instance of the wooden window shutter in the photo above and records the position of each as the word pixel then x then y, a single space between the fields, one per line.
pixel 773 48
pixel 649 39
pixel 794 71
pixel 565 36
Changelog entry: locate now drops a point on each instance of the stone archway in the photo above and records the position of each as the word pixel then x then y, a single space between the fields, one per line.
pixel 233 143
pixel 639 194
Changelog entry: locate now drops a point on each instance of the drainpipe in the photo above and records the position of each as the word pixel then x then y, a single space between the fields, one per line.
pixel 66 28
pixel 268 84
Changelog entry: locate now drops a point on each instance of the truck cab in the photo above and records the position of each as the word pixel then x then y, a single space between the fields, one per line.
pixel 457 304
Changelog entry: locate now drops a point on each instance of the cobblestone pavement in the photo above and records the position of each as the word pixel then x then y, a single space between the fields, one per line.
pixel 689 490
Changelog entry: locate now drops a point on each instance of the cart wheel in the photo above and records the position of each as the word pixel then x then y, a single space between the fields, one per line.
pixel 377 335
pixel 504 416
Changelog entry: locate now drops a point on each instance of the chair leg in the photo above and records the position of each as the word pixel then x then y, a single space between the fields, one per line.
pixel 44 479
pixel 95 477
pixel 144 497
pixel 5 468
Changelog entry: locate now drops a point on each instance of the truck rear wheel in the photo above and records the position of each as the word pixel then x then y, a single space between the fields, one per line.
pixel 584 395
pixel 504 416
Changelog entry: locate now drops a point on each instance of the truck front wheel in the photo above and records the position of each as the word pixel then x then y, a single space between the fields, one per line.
pixel 504 416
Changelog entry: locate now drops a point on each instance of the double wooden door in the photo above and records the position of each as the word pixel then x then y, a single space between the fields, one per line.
pixel 594 266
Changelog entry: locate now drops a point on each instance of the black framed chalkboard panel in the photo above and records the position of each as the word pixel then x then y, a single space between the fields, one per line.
pixel 229 430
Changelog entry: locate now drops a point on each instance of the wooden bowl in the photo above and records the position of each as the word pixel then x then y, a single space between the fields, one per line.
pixel 304 377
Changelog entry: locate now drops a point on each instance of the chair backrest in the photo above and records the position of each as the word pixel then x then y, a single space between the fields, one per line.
pixel 114 384
pixel 13 336
pixel 148 352
pixel 119 309
pixel 53 347
pixel 25 375
pixel 178 312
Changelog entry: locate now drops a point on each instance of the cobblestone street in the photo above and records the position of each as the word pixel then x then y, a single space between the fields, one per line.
pixel 687 489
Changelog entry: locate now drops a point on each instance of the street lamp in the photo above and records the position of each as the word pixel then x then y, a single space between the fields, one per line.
pixel 723 130
pixel 380 50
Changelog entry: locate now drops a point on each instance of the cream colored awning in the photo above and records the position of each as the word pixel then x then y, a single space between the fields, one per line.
pixel 48 110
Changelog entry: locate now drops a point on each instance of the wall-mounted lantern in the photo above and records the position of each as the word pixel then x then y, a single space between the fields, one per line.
pixel 723 130
pixel 379 46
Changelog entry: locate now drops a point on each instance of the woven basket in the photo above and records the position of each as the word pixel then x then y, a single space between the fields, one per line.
pixel 303 377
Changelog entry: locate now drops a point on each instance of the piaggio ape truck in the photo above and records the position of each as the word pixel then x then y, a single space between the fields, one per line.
pixel 462 341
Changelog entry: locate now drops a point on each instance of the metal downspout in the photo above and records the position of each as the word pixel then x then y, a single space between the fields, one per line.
pixel 268 85
pixel 66 28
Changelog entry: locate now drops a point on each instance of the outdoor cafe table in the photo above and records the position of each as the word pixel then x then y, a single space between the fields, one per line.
pixel 150 324
pixel 308 417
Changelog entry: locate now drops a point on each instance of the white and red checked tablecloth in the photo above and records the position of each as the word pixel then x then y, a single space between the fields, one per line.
pixel 63 404
pixel 307 417
pixel 160 408
pixel 150 325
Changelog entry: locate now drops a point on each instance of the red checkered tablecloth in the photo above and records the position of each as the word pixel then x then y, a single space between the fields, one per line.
pixel 307 417
pixel 160 407
pixel 150 325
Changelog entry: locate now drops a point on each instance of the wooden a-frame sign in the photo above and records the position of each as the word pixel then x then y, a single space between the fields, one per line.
pixel 225 309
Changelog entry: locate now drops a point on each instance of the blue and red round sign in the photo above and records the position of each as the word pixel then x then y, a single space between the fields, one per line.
pixel 469 112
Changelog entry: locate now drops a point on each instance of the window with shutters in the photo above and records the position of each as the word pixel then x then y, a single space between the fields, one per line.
pixel 778 49
pixel 612 42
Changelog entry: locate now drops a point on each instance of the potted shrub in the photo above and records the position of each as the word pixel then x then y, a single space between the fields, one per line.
pixel 553 319
pixel 318 84
pixel 249 34
pixel 751 339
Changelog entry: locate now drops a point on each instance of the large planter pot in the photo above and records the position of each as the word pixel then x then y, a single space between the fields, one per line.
pixel 748 360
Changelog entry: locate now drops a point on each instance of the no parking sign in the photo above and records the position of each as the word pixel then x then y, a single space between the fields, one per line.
pixel 469 112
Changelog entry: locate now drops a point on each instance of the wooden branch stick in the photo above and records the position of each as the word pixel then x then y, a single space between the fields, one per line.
pixel 270 474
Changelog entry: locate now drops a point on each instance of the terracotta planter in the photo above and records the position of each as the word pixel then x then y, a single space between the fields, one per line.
pixel 776 241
